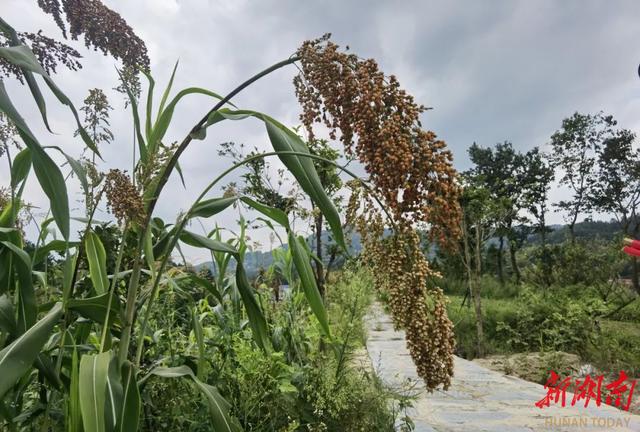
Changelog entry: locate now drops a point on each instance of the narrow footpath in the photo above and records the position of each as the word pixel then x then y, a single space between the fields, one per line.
pixel 480 399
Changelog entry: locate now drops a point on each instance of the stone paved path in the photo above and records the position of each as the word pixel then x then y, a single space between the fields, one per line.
pixel 480 399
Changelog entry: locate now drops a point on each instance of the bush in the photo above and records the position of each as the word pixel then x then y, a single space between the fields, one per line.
pixel 463 318
pixel 560 265
pixel 616 347
pixel 303 384
pixel 529 322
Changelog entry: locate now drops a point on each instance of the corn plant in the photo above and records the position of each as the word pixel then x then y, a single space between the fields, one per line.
pixel 73 344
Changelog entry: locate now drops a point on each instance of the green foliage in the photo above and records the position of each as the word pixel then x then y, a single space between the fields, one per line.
pixel 567 320
pixel 574 153
pixel 615 347
pixel 303 384
pixel 128 317
pixel 596 263
pixel 529 322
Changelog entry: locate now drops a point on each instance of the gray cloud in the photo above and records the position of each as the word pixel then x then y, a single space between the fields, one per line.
pixel 492 71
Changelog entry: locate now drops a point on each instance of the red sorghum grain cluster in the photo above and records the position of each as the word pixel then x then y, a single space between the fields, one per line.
pixel 379 123
pixel 123 199
pixel 411 173
pixel 400 269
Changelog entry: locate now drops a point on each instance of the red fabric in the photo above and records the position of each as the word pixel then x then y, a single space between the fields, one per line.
pixel 631 250
pixel 635 244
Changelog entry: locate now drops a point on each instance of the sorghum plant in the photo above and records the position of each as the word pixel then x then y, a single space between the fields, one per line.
pixel 410 172
pixel 75 354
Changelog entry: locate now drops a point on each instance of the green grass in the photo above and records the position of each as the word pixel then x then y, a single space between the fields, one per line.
pixel 463 318
pixel 531 323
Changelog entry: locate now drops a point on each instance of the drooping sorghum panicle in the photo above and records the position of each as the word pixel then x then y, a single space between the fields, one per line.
pixel 103 29
pixel 123 199
pixel 416 307
pixel 410 171
pixel 400 269
pixel 379 123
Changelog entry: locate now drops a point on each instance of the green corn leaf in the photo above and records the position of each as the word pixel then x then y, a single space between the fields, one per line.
pixel 130 412
pixel 94 370
pixel 114 396
pixel 95 308
pixel 198 332
pixel 47 172
pixel 27 307
pixel 210 207
pixel 6 215
pixel 271 212
pixel 7 316
pixel 149 109
pixel 74 418
pixel 167 90
pixel 11 34
pixel 67 275
pixel 77 169
pixel 21 254
pixel 196 240
pixel 136 119
pixel 164 119
pixel 23 57
pixel 20 167
pixel 46 367
pixel 308 280
pixel 304 171
pixel 97 258
pixel 17 357
pixel 54 245
pixel 302 168
pixel 180 174
pixel 257 320
pixel 209 286
pixel 148 252
pixel 218 406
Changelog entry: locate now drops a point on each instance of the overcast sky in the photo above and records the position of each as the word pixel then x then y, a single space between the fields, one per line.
pixel 492 70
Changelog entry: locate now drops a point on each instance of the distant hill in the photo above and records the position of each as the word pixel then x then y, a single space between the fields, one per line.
pixel 254 260
pixel 586 230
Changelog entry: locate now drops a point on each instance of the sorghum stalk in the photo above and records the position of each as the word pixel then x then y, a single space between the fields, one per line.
pixel 114 280
pixel 180 226
pixel 164 177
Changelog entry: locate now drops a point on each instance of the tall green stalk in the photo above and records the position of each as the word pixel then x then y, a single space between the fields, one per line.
pixel 164 177
pixel 180 226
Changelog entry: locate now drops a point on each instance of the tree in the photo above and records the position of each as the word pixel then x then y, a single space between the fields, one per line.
pixel 540 176
pixel 480 212
pixel 618 188
pixel 331 183
pixel 501 170
pixel 258 182
pixel 102 28
pixel 574 150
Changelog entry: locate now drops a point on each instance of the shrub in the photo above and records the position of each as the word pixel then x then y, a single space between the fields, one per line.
pixel 616 347
pixel 529 322
pixel 303 384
